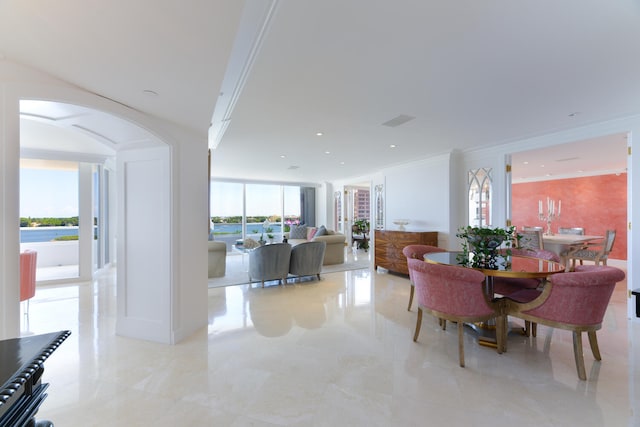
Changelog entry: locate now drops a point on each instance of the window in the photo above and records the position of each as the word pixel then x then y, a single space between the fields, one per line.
pixel 480 197
pixel 257 211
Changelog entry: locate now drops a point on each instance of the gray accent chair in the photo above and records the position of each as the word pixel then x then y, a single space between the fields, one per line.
pixel 217 258
pixel 307 258
pixel 270 262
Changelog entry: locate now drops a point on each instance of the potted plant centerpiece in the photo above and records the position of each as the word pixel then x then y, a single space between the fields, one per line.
pixel 480 245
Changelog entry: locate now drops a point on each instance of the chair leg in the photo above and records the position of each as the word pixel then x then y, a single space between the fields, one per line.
pixel 534 329
pixel 499 333
pixel 418 324
pixel 461 343
pixel 263 283
pixel 527 328
pixel 442 323
pixel 593 342
pixel 411 297
pixel 318 276
pixel 577 353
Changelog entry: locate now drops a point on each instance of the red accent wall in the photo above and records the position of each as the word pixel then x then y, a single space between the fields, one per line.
pixel 597 203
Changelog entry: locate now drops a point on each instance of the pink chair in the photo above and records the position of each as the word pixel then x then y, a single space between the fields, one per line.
pixel 507 285
pixel 573 301
pixel 28 261
pixel 456 294
pixel 417 252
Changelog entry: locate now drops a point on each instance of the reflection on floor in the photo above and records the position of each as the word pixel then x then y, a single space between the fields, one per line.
pixel 335 352
pixel 237 266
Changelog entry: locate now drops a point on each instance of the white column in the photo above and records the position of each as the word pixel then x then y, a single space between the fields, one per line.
pixel 9 214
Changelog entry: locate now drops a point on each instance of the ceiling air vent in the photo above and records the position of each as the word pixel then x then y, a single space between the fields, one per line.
pixel 399 120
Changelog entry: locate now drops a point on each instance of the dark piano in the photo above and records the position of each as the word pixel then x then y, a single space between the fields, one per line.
pixel 21 367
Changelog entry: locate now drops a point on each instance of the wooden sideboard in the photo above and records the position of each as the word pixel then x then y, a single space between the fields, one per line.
pixel 389 245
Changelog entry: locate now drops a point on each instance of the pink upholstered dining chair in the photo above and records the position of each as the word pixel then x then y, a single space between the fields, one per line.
pixel 28 263
pixel 456 294
pixel 574 301
pixel 417 252
pixel 507 285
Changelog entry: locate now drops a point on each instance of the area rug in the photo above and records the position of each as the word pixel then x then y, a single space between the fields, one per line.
pixel 237 267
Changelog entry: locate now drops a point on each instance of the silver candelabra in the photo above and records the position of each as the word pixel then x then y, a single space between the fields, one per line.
pixel 551 213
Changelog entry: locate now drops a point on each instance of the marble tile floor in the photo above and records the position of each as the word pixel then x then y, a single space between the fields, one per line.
pixel 335 352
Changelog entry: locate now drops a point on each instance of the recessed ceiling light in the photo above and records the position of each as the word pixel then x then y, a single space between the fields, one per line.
pixel 327 152
pixel 283 156
pixel 342 163
pixel 541 166
pixel 319 133
pixel 525 163
pixel 392 146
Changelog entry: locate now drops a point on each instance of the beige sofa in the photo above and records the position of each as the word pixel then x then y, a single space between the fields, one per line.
pixel 334 252
pixel 217 258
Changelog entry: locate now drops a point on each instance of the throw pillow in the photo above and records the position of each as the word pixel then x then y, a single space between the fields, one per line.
pixel 311 231
pixel 322 231
pixel 298 232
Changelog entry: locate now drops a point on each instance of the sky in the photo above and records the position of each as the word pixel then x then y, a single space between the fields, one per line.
pixel 262 199
pixel 54 193
pixel 48 193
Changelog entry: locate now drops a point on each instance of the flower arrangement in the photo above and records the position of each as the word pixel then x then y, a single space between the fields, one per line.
pixel 480 245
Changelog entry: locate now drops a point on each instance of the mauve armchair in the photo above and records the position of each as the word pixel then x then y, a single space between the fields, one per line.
pixel 575 301
pixel 508 285
pixel 28 266
pixel 270 262
pixel 417 252
pixel 456 294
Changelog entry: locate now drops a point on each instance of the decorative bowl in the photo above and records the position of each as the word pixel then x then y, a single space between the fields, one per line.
pixel 401 223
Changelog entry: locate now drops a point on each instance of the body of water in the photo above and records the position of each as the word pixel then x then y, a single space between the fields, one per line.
pixel 237 228
pixel 45 234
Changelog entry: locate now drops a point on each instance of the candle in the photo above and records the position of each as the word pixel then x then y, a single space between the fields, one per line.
pixel 559 206
pixel 548 206
pixel 539 207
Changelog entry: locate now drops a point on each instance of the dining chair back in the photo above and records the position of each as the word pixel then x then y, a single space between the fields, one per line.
pixel 571 230
pixel 530 239
pixel 574 301
pixel 597 252
pixel 417 252
pixel 453 293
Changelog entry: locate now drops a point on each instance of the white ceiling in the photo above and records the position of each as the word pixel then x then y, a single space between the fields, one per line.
pixel 470 73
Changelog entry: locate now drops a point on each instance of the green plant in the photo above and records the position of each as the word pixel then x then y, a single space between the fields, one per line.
pixel 480 245
pixel 361 226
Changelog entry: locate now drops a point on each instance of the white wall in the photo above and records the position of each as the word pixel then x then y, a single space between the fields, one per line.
pixel 417 191
pixel 187 309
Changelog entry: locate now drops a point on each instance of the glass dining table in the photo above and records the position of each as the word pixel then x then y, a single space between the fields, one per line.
pixel 512 266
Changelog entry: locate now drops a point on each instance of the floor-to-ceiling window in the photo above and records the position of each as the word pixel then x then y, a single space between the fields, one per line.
pixel 258 211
